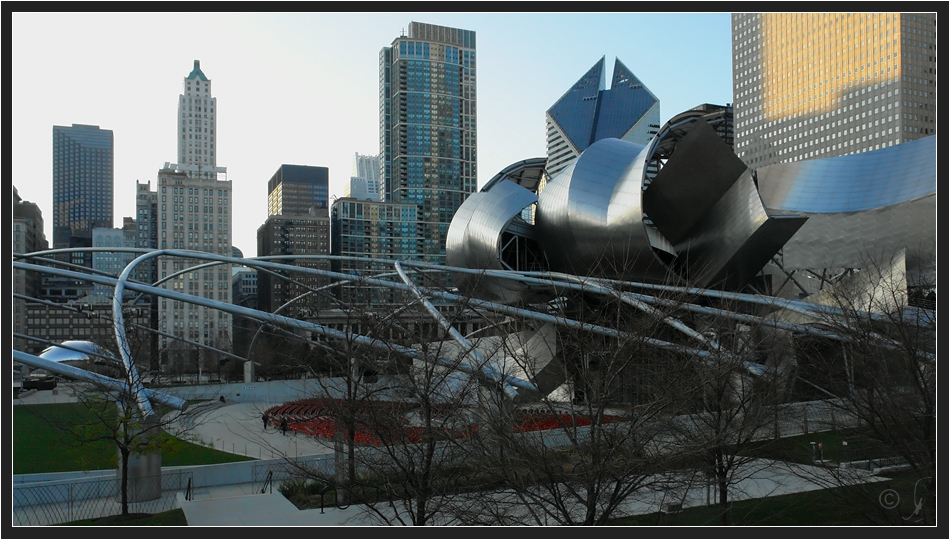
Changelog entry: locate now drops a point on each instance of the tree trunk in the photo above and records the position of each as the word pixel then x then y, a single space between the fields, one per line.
pixel 351 452
pixel 125 480
pixel 723 502
pixel 420 517
pixel 723 489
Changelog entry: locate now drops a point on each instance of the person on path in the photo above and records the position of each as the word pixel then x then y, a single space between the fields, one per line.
pixel 264 418
pixel 283 426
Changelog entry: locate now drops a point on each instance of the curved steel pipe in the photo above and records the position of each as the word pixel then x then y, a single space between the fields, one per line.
pixel 469 349
pixel 96 379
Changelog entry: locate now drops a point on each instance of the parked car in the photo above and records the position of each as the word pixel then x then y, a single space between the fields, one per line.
pixel 39 383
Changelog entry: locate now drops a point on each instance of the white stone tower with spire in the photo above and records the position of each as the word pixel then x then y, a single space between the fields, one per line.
pixel 194 213
pixel 197 113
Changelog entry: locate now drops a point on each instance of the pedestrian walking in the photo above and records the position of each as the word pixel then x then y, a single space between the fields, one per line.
pixel 283 426
pixel 264 418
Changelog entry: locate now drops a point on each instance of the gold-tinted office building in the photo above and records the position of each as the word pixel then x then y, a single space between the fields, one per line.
pixel 816 85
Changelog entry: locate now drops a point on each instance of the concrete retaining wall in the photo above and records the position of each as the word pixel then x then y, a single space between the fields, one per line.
pixel 246 472
pixel 51 488
pixel 275 392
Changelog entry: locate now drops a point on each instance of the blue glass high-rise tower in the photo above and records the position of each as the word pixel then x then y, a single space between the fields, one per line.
pixel 82 200
pixel 427 127
pixel 589 112
pixel 82 184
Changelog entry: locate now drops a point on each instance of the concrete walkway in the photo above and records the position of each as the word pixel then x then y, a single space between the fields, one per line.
pixel 238 505
pixel 238 429
pixel 234 427
pixel 229 506
pixel 63 393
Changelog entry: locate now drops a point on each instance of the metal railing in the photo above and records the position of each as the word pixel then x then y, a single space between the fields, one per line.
pixel 50 503
pixel 268 482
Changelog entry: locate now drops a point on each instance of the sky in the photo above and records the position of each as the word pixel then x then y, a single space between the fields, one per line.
pixel 303 88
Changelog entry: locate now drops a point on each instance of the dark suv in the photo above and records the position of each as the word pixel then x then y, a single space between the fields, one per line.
pixel 39 383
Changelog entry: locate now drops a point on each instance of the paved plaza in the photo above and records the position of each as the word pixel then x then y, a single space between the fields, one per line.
pixel 238 428
pixel 239 425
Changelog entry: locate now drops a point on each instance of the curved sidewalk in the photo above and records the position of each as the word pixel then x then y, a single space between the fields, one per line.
pixel 238 429
pixel 246 508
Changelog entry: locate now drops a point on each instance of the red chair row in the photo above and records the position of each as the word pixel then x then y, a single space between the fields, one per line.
pixel 309 416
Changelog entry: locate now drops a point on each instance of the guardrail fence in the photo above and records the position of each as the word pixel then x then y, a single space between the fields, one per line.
pixel 50 503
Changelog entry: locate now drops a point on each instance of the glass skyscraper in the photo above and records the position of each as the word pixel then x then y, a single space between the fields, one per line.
pixel 295 189
pixel 427 126
pixel 112 263
pixel 82 200
pixel 372 229
pixel 817 85
pixel 589 112
pixel 82 185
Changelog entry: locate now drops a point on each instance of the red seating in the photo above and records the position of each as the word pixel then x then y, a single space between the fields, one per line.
pixel 309 417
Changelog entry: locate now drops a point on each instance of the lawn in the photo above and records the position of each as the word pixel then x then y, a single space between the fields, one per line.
pixel 859 506
pixel 853 506
pixel 38 447
pixel 836 446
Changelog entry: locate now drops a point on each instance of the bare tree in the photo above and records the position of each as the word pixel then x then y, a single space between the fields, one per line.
pixel 397 399
pixel 882 367
pixel 731 399
pixel 115 416
pixel 583 453
pixel 416 459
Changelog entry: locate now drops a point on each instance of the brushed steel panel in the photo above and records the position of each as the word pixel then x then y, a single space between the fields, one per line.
pixel 589 216
pixel 857 205
pixel 474 238
pixel 695 177
pixel 854 182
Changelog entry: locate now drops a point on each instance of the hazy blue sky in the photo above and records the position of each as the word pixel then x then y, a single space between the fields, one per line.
pixel 302 88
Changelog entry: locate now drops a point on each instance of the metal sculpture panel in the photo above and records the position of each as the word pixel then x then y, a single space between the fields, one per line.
pixel 694 209
pixel 586 220
pixel 868 203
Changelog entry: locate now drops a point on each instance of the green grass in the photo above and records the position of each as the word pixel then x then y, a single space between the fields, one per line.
pixel 799 449
pixel 853 506
pixel 858 506
pixel 172 518
pixel 38 447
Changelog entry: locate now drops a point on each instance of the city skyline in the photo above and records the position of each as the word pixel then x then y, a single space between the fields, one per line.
pixel 303 88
